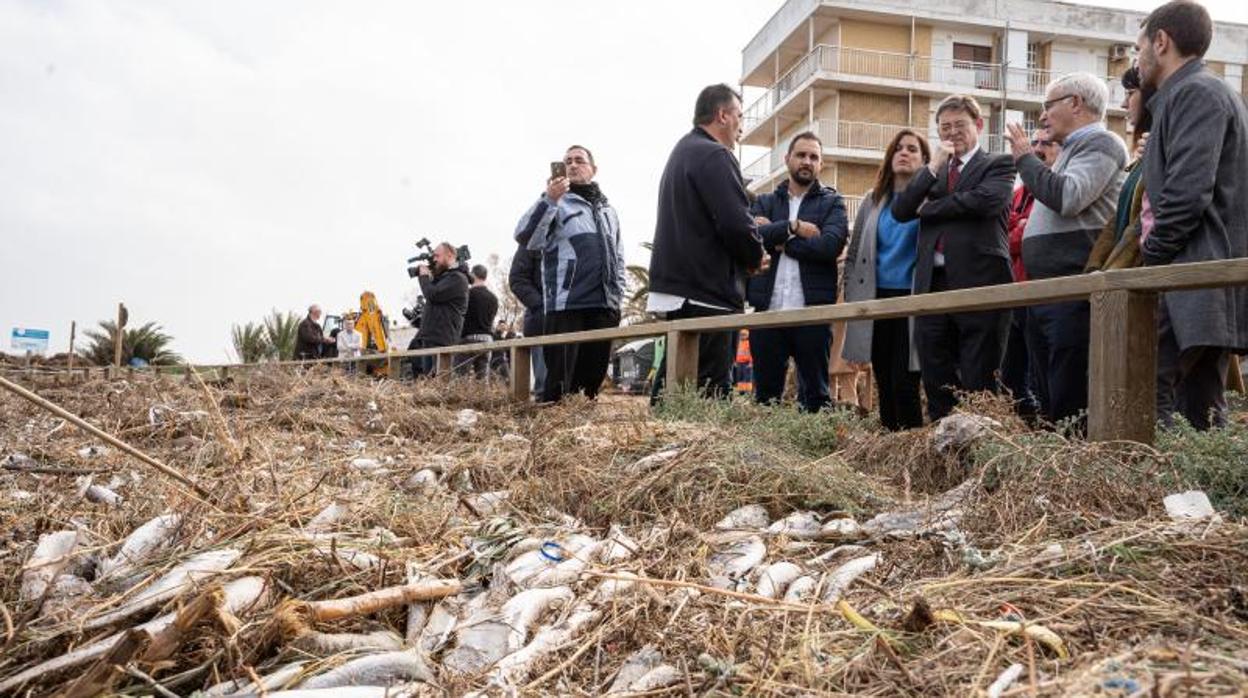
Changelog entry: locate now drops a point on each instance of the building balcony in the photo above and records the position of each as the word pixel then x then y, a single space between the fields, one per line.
pixel 849 141
pixel 882 71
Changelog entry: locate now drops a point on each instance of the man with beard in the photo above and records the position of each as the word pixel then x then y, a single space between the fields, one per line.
pixel 1194 165
pixel 445 288
pixel 804 228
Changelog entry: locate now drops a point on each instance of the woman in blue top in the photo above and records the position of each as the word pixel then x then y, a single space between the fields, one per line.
pixel 880 264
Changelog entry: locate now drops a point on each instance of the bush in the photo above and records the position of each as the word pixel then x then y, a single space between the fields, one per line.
pixel 783 425
pixel 1215 461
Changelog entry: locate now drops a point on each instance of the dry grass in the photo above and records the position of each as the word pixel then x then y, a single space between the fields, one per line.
pixel 1065 534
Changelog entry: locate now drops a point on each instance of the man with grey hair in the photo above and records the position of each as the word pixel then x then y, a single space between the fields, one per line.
pixel 310 342
pixel 1073 201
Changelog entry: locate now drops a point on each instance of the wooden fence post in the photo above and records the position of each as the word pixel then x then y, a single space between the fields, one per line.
pixel 444 365
pixel 1122 366
pixel 682 359
pixel 520 365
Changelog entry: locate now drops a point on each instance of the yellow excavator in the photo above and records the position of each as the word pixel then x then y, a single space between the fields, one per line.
pixel 372 328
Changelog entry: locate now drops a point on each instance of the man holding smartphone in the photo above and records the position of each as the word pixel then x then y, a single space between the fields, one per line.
pixel 577 234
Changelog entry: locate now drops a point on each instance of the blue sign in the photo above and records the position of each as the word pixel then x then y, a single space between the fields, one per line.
pixel 26 339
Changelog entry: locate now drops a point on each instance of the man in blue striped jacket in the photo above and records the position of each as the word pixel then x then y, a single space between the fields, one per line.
pixel 578 235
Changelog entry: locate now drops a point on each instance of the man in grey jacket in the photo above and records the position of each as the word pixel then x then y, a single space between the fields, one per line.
pixel 1073 201
pixel 577 233
pixel 1196 164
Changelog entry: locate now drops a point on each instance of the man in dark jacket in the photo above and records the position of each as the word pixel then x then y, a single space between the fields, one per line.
pixel 1195 164
pixel 961 200
pixel 578 234
pixel 311 342
pixel 705 241
pixel 804 228
pixel 445 288
pixel 525 279
pixel 478 323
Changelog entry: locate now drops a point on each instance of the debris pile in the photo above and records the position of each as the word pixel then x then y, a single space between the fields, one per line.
pixel 380 539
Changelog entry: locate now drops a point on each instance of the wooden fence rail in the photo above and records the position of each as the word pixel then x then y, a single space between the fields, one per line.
pixel 1122 352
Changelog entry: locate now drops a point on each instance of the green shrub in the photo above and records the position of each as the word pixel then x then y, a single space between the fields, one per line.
pixel 1215 461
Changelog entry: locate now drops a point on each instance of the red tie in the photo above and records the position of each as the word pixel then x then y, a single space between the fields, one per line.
pixel 953 182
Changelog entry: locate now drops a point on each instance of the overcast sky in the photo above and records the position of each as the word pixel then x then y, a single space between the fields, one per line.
pixel 205 162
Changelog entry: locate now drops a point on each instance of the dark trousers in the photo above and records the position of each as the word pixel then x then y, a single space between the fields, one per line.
pixel 422 366
pixel 577 368
pixel 809 346
pixel 534 322
pixel 477 365
pixel 1016 366
pixel 898 386
pixel 958 351
pixel 1057 347
pixel 716 353
pixel 1191 382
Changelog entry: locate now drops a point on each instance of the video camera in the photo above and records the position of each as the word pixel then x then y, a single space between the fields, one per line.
pixel 426 256
pixel 416 312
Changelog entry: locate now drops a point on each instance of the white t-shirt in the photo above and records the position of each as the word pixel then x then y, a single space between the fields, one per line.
pixel 787 293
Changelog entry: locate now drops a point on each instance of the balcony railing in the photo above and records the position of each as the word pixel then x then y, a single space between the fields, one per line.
pixel 758 168
pixel 1027 83
pixel 851 207
pixel 856 135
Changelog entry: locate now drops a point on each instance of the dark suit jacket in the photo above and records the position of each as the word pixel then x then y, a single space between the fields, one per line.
pixel 971 220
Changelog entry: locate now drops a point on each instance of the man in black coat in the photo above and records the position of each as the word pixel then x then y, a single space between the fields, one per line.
pixel 705 241
pixel 311 342
pixel 525 279
pixel 804 228
pixel 962 201
pixel 1196 166
pixel 445 288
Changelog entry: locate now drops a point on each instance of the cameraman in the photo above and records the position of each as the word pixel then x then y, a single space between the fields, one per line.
pixel 444 284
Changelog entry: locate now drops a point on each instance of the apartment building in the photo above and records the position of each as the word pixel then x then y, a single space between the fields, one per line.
pixel 856 71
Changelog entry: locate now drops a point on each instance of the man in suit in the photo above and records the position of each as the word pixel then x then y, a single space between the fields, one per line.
pixel 804 228
pixel 962 201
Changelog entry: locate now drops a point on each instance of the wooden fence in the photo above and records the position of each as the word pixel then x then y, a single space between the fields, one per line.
pixel 1122 352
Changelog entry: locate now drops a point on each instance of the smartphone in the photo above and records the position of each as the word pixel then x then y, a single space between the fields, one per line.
pixel 558 169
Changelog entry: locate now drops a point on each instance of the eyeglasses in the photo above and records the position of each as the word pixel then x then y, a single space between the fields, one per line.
pixel 1048 104
pixel 1042 144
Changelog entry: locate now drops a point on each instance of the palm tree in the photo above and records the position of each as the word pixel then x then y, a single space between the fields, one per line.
pixel 147 342
pixel 637 295
pixel 251 343
pixel 281 330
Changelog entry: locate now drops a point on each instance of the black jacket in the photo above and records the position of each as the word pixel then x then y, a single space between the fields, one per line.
pixel 525 280
pixel 446 300
pixel 816 257
pixel 704 238
pixel 482 307
pixel 971 220
pixel 310 342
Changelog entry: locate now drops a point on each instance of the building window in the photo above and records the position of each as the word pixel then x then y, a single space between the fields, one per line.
pixel 978 59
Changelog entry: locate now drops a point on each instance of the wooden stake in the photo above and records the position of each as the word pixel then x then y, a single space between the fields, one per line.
pixel 119 335
pixel 73 329
pixel 102 435
pixel 520 365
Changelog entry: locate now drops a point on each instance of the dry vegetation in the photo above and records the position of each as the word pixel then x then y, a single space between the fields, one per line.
pixel 356 534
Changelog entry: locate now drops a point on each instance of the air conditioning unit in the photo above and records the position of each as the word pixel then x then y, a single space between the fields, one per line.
pixel 1118 52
